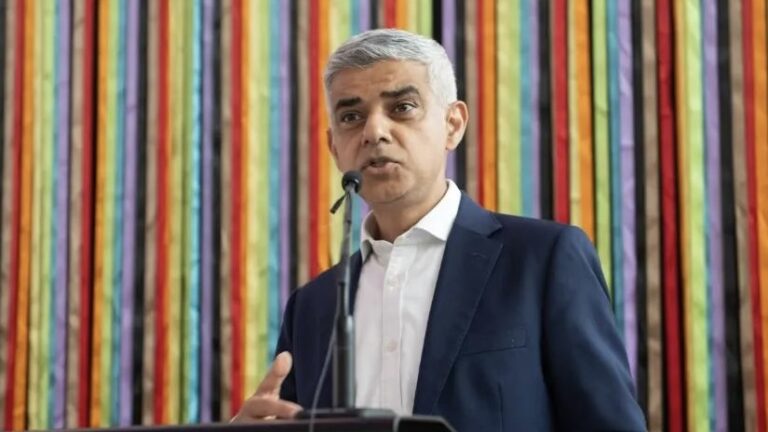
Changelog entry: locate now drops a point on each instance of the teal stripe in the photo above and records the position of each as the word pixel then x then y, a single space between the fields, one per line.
pixel 117 228
pixel 615 146
pixel 273 297
pixel 193 249
pixel 526 123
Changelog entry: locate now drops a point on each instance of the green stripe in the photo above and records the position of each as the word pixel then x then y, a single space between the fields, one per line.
pixel 600 117
pixel 696 206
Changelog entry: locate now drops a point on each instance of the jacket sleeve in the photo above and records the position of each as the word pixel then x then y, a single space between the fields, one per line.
pixel 285 343
pixel 585 360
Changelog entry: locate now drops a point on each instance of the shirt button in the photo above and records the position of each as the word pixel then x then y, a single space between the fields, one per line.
pixel 391 346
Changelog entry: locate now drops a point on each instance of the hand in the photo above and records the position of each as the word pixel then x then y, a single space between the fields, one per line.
pixel 266 404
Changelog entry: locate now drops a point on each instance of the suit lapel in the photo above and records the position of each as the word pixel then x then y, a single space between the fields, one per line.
pixel 467 263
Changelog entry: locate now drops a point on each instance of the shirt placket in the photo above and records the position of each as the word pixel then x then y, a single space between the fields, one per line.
pixel 391 325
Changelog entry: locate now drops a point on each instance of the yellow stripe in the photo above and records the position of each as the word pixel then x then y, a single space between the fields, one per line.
pixel 508 113
pixel 46 219
pixel 36 255
pixel 338 32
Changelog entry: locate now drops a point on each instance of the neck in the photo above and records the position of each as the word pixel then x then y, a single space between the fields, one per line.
pixel 394 219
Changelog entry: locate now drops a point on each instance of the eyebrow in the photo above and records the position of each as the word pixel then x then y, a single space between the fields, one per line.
pixel 390 94
pixel 400 92
pixel 348 102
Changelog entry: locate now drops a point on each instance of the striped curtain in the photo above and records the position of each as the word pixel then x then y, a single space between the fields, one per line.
pixel 165 184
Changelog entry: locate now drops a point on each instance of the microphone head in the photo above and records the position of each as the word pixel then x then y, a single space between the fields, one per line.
pixel 352 180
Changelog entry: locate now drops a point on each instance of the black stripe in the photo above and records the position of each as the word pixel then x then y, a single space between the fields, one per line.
pixel 461 88
pixel 375 12
pixel 730 274
pixel 141 205
pixel 545 111
pixel 294 152
pixel 216 112
pixel 437 21
pixel 641 378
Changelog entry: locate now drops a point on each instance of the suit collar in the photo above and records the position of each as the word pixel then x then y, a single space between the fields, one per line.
pixel 468 261
pixel 469 258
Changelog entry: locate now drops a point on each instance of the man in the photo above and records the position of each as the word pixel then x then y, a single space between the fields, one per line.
pixel 492 321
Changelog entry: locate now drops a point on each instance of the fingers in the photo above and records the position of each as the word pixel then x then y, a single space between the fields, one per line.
pixel 281 367
pixel 264 408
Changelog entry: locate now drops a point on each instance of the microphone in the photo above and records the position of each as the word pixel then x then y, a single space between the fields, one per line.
pixel 341 347
pixel 344 349
pixel 352 179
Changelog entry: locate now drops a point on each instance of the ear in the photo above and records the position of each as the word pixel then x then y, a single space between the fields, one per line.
pixel 456 119
pixel 332 147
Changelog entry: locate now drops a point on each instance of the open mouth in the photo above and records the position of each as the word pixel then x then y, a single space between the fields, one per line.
pixel 379 163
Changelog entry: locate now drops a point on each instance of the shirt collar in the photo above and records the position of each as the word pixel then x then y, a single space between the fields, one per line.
pixel 437 223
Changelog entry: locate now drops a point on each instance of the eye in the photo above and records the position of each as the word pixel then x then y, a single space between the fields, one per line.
pixel 349 117
pixel 404 107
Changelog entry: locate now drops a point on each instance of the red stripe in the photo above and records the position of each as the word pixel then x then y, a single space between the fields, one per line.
pixel 236 229
pixel 18 79
pixel 480 100
pixel 161 234
pixel 560 109
pixel 749 141
pixel 390 13
pixel 672 347
pixel 314 138
pixel 86 227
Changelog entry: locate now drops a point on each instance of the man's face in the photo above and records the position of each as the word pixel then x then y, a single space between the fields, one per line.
pixel 387 123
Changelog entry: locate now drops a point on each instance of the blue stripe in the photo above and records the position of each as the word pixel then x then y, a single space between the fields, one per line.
pixel 615 146
pixel 52 353
pixel 195 190
pixel 117 228
pixel 355 28
pixel 526 125
pixel 273 296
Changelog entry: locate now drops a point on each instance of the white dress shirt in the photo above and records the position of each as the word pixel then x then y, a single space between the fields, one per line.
pixel 394 296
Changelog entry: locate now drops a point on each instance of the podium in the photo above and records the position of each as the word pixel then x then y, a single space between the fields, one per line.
pixel 373 424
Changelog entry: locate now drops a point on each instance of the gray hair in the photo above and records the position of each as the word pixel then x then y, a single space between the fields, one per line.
pixel 367 48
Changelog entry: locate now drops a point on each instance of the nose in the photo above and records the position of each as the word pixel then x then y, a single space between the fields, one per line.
pixel 377 129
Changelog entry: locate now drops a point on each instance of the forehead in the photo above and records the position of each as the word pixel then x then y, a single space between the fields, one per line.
pixel 382 76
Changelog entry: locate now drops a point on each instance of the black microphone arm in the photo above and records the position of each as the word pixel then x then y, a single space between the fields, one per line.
pixel 344 348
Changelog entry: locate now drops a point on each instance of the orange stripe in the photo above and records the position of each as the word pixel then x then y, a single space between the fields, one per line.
pixel 761 177
pixel 98 288
pixel 401 13
pixel 22 341
pixel 488 35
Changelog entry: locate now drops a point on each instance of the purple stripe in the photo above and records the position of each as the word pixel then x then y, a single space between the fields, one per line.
pixel 285 154
pixel 365 15
pixel 207 247
pixel 449 42
pixel 533 19
pixel 129 220
pixel 62 200
pixel 712 129
pixel 627 155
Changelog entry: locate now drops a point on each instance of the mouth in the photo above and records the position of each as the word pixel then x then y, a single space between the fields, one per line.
pixel 380 163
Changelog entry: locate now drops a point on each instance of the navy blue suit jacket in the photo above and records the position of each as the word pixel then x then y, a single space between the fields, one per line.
pixel 520 334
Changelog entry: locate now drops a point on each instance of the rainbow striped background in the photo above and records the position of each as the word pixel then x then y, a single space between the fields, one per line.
pixel 166 184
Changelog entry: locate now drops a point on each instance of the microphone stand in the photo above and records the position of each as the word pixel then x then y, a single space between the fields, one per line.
pixel 343 400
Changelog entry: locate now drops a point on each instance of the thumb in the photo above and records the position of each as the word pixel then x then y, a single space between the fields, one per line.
pixel 281 367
